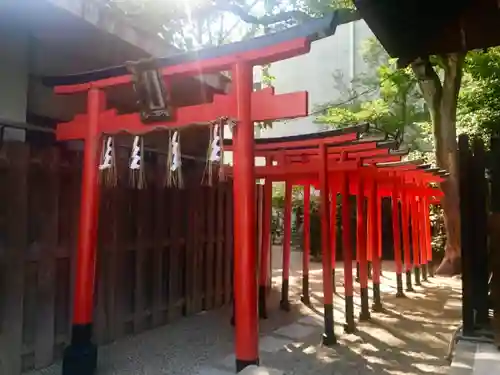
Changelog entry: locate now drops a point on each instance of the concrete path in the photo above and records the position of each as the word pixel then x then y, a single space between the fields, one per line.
pixel 410 337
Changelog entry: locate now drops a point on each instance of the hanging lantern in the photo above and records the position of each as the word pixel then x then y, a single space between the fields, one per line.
pixel 107 167
pixel 136 165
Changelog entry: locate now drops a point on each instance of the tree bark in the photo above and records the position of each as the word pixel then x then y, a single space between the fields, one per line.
pixel 442 100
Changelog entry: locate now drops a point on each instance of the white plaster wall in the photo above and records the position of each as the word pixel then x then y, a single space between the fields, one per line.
pixel 314 73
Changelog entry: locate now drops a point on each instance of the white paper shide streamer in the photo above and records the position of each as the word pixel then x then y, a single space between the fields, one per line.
pixel 137 175
pixel 174 164
pixel 107 167
pixel 215 155
pixel 135 158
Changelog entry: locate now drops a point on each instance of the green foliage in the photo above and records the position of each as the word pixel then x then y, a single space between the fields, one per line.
pixel 479 100
pixel 386 96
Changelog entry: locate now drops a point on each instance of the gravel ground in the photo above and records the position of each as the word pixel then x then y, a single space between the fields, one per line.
pixel 410 337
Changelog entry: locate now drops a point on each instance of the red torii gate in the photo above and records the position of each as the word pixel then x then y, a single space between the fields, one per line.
pixel 242 105
pixel 320 159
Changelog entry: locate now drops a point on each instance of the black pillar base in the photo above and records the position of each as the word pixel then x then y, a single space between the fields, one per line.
pixel 241 364
pixel 417 276
pixel 364 315
pixel 400 293
pixel 305 299
pixel 377 302
pixel 424 272
pixel 80 357
pixel 349 326
pixel 262 302
pixel 328 338
pixel 430 269
pixel 409 286
pixel 284 303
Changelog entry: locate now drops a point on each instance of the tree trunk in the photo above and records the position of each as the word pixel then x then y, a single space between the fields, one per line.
pixel 442 101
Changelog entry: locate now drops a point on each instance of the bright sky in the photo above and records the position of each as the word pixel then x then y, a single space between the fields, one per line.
pixel 227 22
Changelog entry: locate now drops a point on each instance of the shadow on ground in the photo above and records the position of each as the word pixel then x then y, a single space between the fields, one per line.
pixel 411 336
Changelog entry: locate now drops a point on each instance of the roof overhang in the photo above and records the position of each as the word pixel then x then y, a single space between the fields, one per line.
pixel 409 29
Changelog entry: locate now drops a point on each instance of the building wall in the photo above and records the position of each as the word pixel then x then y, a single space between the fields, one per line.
pixel 340 53
pixel 14 77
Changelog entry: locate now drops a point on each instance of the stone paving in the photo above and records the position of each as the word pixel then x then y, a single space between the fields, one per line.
pixel 411 337
pixel 475 359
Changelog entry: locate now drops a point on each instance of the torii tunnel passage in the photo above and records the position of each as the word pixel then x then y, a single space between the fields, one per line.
pixel 156 109
pixel 346 162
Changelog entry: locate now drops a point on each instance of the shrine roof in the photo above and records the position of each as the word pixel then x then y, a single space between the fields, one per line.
pixel 311 30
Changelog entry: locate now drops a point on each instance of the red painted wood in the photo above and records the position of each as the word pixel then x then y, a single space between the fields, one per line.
pixel 375 222
pixel 266 235
pixel 89 205
pixel 422 232
pixel 369 226
pixel 405 213
pixel 325 230
pixel 331 148
pixel 396 230
pixel 260 56
pixel 287 231
pixel 361 251
pixel 415 230
pixel 333 222
pixel 307 230
pixel 245 259
pixel 346 236
pixel 265 106
pixel 428 233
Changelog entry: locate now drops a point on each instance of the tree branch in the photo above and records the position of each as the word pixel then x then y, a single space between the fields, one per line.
pixel 344 15
pixel 269 19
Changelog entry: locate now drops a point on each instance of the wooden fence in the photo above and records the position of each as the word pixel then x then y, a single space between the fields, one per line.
pixel 163 253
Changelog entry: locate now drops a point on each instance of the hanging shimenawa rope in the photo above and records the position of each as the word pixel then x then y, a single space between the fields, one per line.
pixel 108 176
pixel 137 174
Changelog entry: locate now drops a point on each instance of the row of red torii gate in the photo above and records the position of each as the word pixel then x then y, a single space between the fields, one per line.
pixel 351 161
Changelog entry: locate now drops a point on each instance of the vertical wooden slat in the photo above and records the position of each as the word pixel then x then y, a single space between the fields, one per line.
pixel 16 246
pixel 45 330
pixel 209 263
pixel 174 309
pixel 199 241
pixel 228 244
pixel 202 248
pixel 219 248
pixel 159 238
pixel 139 261
pixel 103 240
pixel 121 214
pixel 76 179
pixel 191 244
pixel 111 274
